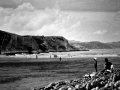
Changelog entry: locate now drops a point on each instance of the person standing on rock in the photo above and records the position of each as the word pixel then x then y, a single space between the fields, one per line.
pixel 95 64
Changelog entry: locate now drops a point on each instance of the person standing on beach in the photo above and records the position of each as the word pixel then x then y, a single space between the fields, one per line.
pixel 95 64
pixel 36 56
pixel 60 58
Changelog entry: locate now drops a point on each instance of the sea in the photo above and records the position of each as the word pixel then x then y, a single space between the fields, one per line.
pixel 90 53
pixel 74 54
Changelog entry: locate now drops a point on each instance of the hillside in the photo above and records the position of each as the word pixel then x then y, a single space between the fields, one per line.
pixel 15 43
pixel 96 45
pixel 10 42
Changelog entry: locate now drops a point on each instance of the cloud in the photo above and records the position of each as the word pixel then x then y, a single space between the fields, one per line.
pixel 25 7
pixel 17 1
pixel 117 17
pixel 28 20
pixel 116 34
pixel 100 32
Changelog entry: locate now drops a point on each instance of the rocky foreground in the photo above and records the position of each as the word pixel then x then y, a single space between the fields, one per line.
pixel 93 81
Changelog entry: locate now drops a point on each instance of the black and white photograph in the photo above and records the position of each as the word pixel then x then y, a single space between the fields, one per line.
pixel 59 44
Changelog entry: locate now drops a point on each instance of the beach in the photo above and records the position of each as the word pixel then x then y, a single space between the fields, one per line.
pixel 19 73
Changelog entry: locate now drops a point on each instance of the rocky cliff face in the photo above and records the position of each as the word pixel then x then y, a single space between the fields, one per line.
pixel 13 42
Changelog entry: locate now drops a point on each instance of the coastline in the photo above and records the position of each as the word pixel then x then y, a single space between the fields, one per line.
pixel 52 55
pixel 72 54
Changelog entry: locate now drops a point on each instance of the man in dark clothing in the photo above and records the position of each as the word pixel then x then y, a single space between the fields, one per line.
pixel 60 58
pixel 95 64
pixel 107 64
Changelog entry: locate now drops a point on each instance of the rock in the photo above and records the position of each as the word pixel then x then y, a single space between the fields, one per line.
pixel 106 86
pixel 117 84
pixel 103 82
pixel 118 88
pixel 42 88
pixel 51 84
pixel 77 86
pixel 88 86
pixel 94 83
pixel 63 88
pixel 93 74
pixel 103 88
pixel 111 84
pixel 70 88
pixel 97 88
pixel 114 78
pixel 93 89
pixel 33 89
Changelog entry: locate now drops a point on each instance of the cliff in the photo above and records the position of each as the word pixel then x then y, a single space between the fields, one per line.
pixel 10 42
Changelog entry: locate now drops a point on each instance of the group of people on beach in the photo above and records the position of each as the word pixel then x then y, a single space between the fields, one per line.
pixel 108 66
pixel 94 81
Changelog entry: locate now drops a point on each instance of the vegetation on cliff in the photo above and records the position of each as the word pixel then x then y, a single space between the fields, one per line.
pixel 15 43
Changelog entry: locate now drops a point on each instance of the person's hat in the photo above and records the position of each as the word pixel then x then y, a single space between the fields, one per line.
pixel 95 58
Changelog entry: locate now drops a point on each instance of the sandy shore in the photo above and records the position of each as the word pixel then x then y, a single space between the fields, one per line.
pixel 23 72
pixel 52 55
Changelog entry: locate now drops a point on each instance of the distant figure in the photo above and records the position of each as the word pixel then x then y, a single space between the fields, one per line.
pixel 95 64
pixel 0 50
pixel 108 65
pixel 36 56
pixel 60 58
pixel 68 55
pixel 55 56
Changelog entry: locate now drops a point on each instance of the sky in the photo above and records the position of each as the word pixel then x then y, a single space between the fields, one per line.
pixel 80 20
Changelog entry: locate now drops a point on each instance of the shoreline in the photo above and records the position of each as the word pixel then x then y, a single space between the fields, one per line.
pixel 44 55
pixel 75 54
